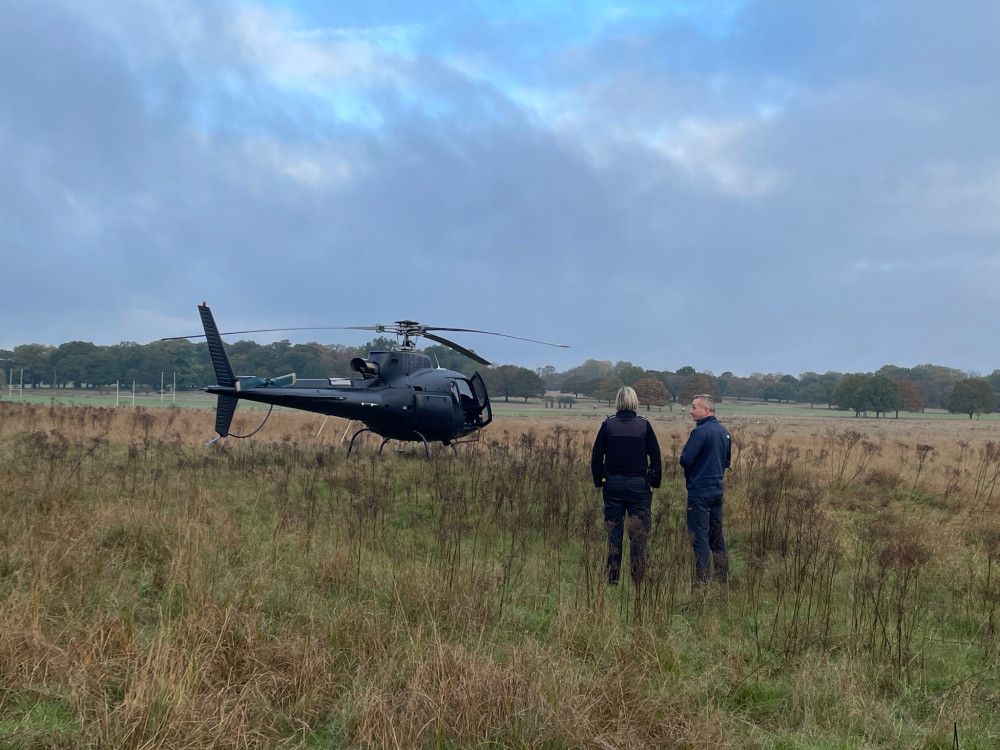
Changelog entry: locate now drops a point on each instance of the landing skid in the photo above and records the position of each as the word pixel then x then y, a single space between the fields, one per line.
pixel 474 439
pixel 350 446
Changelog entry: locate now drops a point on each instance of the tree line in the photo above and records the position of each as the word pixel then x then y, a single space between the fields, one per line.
pixel 889 390
pixel 80 364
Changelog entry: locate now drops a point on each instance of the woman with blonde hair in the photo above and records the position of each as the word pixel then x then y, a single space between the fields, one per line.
pixel 625 464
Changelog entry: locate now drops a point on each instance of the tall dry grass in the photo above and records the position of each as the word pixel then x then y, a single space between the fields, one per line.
pixel 273 592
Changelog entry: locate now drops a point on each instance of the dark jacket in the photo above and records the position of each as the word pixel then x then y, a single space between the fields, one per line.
pixel 623 445
pixel 705 457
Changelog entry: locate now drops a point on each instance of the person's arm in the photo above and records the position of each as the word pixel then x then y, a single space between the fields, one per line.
pixel 691 449
pixel 655 462
pixel 597 456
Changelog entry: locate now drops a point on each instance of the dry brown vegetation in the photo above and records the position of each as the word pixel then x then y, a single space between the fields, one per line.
pixel 272 592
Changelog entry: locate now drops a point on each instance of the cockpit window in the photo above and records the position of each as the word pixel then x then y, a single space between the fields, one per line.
pixel 463 387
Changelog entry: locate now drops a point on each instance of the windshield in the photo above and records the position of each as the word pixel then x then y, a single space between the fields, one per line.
pixel 464 389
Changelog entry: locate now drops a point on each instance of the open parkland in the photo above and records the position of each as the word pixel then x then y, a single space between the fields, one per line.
pixel 275 592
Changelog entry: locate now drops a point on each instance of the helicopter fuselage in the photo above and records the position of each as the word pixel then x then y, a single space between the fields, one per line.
pixel 398 395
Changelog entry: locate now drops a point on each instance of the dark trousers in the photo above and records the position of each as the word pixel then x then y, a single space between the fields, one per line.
pixel 629 496
pixel 704 522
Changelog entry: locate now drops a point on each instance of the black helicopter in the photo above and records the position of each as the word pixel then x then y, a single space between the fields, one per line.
pixel 397 395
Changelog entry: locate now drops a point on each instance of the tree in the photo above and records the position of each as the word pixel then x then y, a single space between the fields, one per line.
pixel 686 371
pixel 672 382
pixel 577 384
pixel 527 384
pixel 191 365
pixel 994 380
pixel 783 389
pixel 848 393
pixel 881 395
pixel 581 379
pixel 128 357
pixel 247 358
pixel 591 368
pixel 336 360
pixel 893 371
pixel 934 382
pixel 628 373
pixel 605 389
pixel 696 384
pixel 102 369
pixel 651 392
pixel 912 400
pixel 723 382
pixel 827 382
pixel 972 396
pixel 36 359
pixel 511 380
pixel 306 361
pixel 813 394
pixel 741 388
pixel 550 376
pixel 864 392
pixel 72 360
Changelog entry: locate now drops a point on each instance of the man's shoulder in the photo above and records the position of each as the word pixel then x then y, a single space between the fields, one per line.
pixel 720 430
pixel 711 424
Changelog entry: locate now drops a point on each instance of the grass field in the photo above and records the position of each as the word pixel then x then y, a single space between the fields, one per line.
pixel 155 592
pixel 585 406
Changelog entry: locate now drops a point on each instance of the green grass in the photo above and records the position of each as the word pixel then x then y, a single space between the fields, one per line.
pixel 584 409
pixel 155 592
pixel 29 721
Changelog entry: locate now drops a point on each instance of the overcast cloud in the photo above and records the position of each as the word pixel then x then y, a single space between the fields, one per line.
pixel 774 186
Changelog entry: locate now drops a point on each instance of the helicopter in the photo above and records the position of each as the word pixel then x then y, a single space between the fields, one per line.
pixel 397 395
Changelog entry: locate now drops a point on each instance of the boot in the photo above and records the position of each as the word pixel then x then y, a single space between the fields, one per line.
pixel 720 561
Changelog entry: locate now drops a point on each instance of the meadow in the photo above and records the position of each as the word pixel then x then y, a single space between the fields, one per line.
pixel 276 593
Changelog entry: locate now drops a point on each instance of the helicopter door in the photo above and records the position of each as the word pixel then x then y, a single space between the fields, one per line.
pixel 434 412
pixel 477 409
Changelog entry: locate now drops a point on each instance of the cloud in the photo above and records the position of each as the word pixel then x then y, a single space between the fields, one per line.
pixel 756 186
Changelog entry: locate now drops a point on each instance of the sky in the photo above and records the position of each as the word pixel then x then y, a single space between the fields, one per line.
pixel 733 185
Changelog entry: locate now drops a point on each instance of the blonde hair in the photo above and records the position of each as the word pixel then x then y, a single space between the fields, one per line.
pixel 626 400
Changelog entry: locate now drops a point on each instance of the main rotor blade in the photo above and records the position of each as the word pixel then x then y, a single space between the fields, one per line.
pixel 460 349
pixel 277 330
pixel 402 327
pixel 493 333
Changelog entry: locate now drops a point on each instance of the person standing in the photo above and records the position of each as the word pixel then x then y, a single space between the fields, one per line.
pixel 705 458
pixel 625 464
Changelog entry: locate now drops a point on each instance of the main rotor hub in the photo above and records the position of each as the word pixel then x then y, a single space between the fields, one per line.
pixel 410 330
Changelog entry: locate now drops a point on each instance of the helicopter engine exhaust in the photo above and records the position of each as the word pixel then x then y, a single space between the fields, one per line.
pixel 367 368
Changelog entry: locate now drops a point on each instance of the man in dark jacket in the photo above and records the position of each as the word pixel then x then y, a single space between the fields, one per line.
pixel 625 463
pixel 705 458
